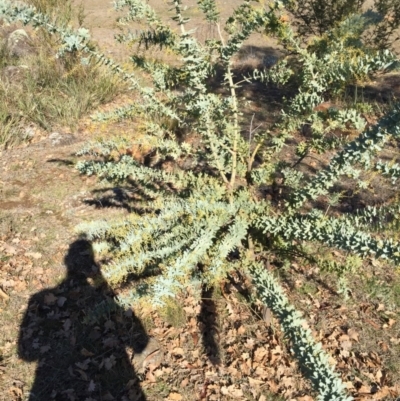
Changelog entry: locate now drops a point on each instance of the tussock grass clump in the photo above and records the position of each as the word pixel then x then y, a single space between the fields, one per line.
pixel 50 92
pixel 47 90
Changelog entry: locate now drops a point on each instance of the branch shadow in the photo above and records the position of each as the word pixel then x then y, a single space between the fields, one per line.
pixel 64 162
pixel 270 97
pixel 132 197
pixel 119 197
pixel 209 326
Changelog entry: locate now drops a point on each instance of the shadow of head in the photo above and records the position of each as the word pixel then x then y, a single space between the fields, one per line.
pixel 79 260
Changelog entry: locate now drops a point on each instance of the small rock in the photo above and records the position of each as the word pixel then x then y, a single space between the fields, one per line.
pixel 19 44
pixel 61 139
pixel 30 131
pixel 55 138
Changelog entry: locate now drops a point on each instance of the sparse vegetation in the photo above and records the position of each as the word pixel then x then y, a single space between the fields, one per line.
pixel 41 91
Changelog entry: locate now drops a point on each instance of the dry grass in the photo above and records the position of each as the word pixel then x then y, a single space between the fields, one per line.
pixel 52 93
pixel 48 91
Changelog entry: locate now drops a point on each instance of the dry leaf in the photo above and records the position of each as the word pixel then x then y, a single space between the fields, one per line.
pixel 189 310
pixel 353 335
pixel 34 255
pixel 83 365
pixel 378 376
pixel 390 313
pixel 91 387
pixel 84 376
pixel 364 390
pixel 7 283
pixel 259 354
pixel 249 343
pixel 109 325
pixel 3 295
pixel 175 396
pixel 20 286
pixel 150 377
pixel 383 346
pixel 231 391
pixel 346 345
pixel 284 18
pixel 50 299
pixel 110 342
pixel 67 324
pixel 236 393
pixel 178 351
pixel 267 315
pixel 61 301
pixel 382 394
pixel 273 387
pixel 16 391
pixel 44 349
pixel 255 382
pixel 287 381
pixel 241 330
pixel 109 362
pixel 85 352
pixel 9 250
pixel 155 359
pixel 373 324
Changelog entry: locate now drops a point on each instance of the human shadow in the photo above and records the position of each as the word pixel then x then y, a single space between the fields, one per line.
pixel 82 340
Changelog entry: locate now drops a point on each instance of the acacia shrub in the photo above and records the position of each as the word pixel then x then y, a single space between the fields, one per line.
pixel 196 212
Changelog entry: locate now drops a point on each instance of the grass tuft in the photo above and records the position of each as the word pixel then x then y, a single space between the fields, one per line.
pixel 44 90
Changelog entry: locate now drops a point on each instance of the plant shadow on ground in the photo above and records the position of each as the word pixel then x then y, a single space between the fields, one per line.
pixel 79 336
pixel 120 197
pixel 270 97
pixel 209 326
pixel 385 91
pixel 131 197
pixel 62 162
